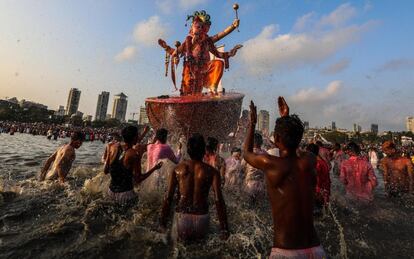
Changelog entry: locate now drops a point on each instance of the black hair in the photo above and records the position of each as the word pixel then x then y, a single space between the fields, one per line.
pixel 235 149
pixel 129 133
pixel 313 148
pixel 290 129
pixel 116 136
pixel 211 144
pixel 161 135
pixel 258 139
pixel 196 147
pixel 353 147
pixel 319 143
pixel 77 135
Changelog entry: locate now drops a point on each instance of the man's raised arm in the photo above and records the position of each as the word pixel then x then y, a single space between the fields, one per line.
pixel 256 160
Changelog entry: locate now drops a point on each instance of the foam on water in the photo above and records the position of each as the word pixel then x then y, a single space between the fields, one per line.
pixel 47 219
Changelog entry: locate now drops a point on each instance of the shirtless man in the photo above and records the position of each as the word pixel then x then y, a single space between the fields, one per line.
pixel 193 178
pixel 123 163
pixel 215 160
pixel 290 181
pixel 398 171
pixel 62 159
pixel 115 140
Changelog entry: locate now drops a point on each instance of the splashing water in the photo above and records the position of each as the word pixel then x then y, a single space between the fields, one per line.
pixel 48 220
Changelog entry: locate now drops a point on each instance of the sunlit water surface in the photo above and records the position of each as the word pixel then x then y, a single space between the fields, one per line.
pixel 48 220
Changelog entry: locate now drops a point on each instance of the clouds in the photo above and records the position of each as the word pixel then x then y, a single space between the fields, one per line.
pixel 339 16
pixel 127 53
pixel 313 95
pixel 145 34
pixel 303 22
pixel 337 67
pixel 269 51
pixel 397 64
pixel 320 106
pixel 149 31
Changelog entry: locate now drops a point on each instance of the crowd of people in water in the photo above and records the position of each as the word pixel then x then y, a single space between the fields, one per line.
pixel 53 131
pixel 294 176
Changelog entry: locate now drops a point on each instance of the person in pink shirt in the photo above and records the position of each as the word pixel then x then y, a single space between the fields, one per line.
pixel 358 175
pixel 161 150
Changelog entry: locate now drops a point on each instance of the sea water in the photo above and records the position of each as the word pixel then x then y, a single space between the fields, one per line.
pixel 50 220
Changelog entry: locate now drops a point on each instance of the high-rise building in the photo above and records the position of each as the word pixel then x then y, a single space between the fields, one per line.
pixel 357 128
pixel 78 114
pixel 263 121
pixel 306 125
pixel 143 117
pixel 374 128
pixel 60 111
pixel 102 106
pixel 333 125
pixel 73 101
pixel 410 124
pixel 120 107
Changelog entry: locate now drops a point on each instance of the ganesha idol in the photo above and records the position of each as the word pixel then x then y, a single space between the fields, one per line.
pixel 214 114
pixel 199 71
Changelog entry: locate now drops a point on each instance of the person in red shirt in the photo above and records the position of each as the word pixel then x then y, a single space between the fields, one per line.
pixel 358 175
pixel 324 153
pixel 323 180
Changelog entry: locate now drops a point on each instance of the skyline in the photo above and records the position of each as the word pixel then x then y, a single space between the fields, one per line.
pixel 347 62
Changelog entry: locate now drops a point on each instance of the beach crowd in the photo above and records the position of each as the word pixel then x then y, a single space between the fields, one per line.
pixel 294 176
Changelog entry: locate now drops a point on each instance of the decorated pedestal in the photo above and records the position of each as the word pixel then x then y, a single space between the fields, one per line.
pixel 184 115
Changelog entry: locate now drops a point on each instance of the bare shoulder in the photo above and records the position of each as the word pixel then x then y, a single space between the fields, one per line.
pixel 209 168
pixel 131 154
pixel 67 149
pixel 182 166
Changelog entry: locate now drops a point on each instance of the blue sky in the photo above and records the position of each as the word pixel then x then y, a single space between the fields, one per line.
pixel 344 61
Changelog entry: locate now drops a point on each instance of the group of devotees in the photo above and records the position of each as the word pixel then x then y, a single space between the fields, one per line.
pixel 297 179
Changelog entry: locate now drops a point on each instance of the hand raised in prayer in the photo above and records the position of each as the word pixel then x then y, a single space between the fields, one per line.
pixel 162 43
pixel 283 107
pixel 253 113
